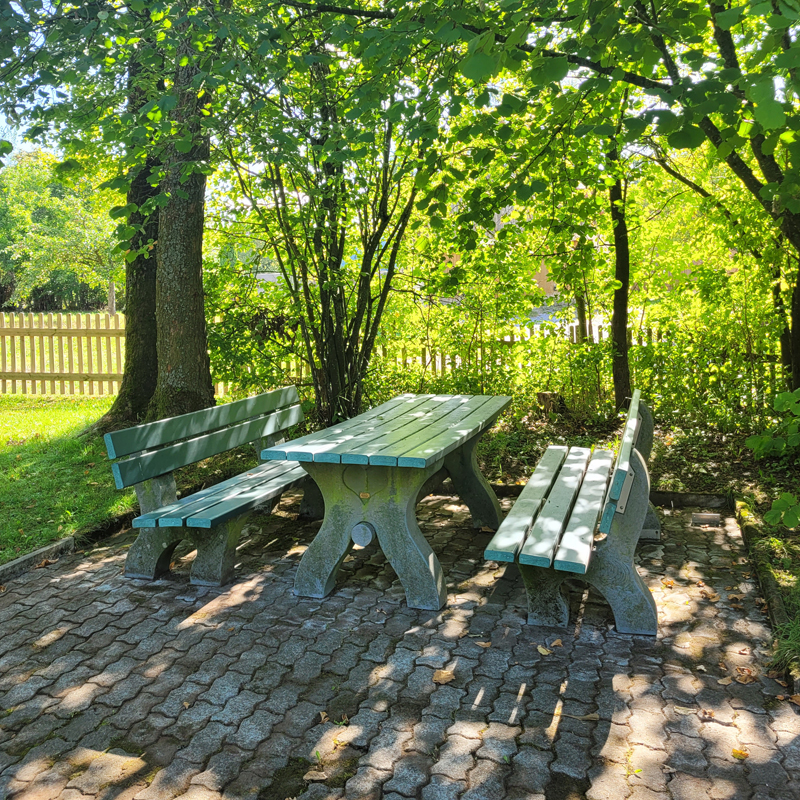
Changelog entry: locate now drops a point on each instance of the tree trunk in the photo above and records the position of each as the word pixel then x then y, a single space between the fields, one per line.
pixel 620 368
pixel 139 378
pixel 580 307
pixel 786 334
pixel 184 370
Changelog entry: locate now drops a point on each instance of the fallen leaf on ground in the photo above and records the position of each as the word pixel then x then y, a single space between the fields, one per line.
pixel 701 668
pixel 780 697
pixel 544 651
pixel 315 775
pixel 795 698
pixel 745 679
pixel 740 754
pixel 723 666
pixel 443 676
pixel 2 589
pixel 668 582
pixel 683 710
pixel 725 681
pixel 737 606
pixel 709 594
pixel 557 643
pixel 700 583
pixel 745 651
pixel 46 562
pixel 735 597
pixel 323 716
pixel 707 713
pixel 186 705
pixel 667 768
pixel 483 644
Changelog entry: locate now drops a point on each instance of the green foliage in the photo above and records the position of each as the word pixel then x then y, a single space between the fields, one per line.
pixel 55 232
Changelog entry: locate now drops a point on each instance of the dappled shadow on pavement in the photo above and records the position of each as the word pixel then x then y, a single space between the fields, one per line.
pixel 115 689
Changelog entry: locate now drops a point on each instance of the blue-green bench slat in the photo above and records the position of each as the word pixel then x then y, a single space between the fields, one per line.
pixel 541 544
pixel 626 447
pixel 155 434
pixel 171 457
pixel 248 499
pixel 151 520
pixel 507 542
pixel 575 548
pixel 176 516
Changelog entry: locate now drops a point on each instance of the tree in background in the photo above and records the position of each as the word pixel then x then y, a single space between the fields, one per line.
pixel 55 233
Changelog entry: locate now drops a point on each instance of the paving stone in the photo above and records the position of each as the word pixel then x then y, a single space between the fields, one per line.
pixel 366 784
pixel 443 788
pixel 410 772
pixel 456 757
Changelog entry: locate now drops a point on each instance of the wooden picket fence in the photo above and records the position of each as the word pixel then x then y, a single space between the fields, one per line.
pixel 58 354
pixel 61 353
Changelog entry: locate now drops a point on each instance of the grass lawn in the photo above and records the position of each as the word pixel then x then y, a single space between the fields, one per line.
pixel 55 483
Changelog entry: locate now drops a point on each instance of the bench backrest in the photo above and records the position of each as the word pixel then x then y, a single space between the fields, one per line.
pixel 622 477
pixel 157 448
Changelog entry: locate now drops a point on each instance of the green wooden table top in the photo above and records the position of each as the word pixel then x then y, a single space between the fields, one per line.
pixel 412 430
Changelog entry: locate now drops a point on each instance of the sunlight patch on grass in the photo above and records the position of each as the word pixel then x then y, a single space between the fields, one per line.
pixel 55 482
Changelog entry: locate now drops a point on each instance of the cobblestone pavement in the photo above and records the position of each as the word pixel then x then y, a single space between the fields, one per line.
pixel 113 688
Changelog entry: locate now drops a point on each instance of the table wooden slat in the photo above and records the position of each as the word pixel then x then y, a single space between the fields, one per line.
pixel 424 454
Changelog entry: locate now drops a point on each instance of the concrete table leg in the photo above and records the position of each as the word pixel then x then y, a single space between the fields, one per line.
pixel 384 498
pixel 472 487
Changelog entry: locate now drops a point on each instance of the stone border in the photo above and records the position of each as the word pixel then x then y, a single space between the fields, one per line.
pixel 769 586
pixel 27 562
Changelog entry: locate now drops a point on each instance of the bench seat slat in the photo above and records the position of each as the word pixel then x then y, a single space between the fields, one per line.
pixel 155 434
pixel 545 534
pixel 248 499
pixel 575 549
pixel 510 536
pixel 159 462
pixel 150 520
pixel 176 514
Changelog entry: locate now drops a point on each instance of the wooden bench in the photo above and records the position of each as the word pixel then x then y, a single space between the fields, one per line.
pixel 550 530
pixel 211 518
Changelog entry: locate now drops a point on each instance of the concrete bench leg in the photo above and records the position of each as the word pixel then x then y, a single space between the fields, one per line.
pixel 150 555
pixel 651 530
pixel 216 552
pixel 472 487
pixel 547 598
pixel 381 501
pixel 612 571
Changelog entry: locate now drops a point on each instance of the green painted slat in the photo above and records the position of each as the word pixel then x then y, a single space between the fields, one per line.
pixel 175 514
pixel 322 441
pixel 159 462
pixel 404 419
pixel 608 515
pixel 151 520
pixel 510 536
pixel 248 499
pixel 543 539
pixel 575 548
pixel 166 431
pixel 438 414
pixel 624 457
pixel 447 441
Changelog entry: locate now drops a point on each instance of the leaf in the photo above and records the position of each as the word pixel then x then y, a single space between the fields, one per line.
pixel 554 69
pixel 725 681
pixel 795 698
pixel 478 67
pixel 740 754
pixel 323 716
pixel 684 711
pixel 770 114
pixel 443 676
pixel 727 19
pixel 483 644
pixel 668 582
pixel 687 138
pixel 557 643
pixel 544 651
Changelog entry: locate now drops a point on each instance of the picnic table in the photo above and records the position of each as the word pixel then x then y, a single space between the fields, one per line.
pixel 371 471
